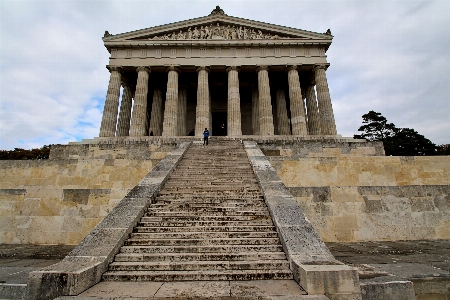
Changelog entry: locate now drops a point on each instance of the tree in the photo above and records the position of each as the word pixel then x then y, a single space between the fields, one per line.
pixel 443 149
pixel 376 129
pixel 22 154
pixel 396 141
pixel 408 142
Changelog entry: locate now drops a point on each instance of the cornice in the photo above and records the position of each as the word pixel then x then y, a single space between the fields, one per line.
pixel 215 43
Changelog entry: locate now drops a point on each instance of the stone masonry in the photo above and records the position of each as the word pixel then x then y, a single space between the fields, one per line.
pixel 209 222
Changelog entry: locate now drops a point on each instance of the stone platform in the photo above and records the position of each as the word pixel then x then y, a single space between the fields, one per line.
pixel 425 263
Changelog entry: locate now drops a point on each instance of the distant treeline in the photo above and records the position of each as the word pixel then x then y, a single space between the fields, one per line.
pixel 22 154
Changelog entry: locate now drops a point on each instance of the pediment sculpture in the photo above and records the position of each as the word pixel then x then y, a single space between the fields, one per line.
pixel 218 32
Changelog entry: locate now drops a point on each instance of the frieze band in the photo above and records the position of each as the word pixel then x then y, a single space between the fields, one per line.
pixel 219 32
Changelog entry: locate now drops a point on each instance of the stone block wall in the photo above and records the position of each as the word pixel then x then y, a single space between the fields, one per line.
pixel 60 200
pixel 350 195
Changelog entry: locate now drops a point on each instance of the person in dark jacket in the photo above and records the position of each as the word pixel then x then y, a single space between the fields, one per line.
pixel 205 136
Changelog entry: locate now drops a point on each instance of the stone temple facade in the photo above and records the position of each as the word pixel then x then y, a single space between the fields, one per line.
pixel 255 78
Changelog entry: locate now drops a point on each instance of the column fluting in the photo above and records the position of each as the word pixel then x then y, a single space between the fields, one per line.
pixel 234 103
pixel 156 113
pixel 255 110
pixel 313 112
pixel 123 126
pixel 202 111
pixel 139 115
pixel 265 105
pixel 182 102
pixel 282 117
pixel 327 122
pixel 298 115
pixel 109 118
pixel 171 107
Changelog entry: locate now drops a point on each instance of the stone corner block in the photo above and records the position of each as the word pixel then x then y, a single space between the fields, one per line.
pixel 64 278
pixel 339 281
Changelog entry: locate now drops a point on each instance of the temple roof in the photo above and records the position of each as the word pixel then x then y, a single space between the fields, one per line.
pixel 217 27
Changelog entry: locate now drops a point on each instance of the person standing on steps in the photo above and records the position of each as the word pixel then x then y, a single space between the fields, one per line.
pixel 205 136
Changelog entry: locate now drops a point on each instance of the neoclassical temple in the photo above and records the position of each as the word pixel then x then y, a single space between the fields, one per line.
pixel 253 77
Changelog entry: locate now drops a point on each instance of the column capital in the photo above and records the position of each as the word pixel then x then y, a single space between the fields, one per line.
pixel 320 66
pixel 207 69
pixel 146 69
pixel 173 68
pixel 114 68
pixel 259 68
pixel 293 67
pixel 233 68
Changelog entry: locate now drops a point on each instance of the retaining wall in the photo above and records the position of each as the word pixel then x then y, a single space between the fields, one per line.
pixel 60 200
pixel 350 195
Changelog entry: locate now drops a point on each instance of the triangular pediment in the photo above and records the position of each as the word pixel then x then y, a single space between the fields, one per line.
pixel 217 26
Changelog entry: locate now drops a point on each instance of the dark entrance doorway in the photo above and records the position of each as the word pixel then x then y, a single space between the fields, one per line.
pixel 218 118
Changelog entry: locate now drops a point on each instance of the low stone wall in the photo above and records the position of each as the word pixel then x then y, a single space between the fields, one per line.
pixel 60 200
pixel 349 195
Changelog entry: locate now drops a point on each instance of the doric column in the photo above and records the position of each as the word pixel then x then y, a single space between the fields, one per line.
pixel 234 103
pixel 327 123
pixel 265 105
pixel 282 117
pixel 255 110
pixel 109 118
pixel 123 126
pixel 156 114
pixel 171 107
pixel 202 111
pixel 139 116
pixel 313 113
pixel 298 116
pixel 182 102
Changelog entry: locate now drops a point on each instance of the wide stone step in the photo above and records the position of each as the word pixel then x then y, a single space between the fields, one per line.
pixel 209 198
pixel 221 189
pixel 230 182
pixel 220 216
pixel 157 257
pixel 205 214
pixel 199 275
pixel 200 265
pixel 247 228
pixel 142 241
pixel 205 235
pixel 205 223
pixel 208 206
pixel 219 174
pixel 202 249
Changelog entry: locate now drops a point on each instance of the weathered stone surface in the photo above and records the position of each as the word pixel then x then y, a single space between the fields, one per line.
pixel 209 222
pixel 12 291
pixel 265 106
pixel 298 118
pixel 109 119
pixel 85 264
pixel 80 196
pixel 329 280
pixel 397 290
pixel 313 265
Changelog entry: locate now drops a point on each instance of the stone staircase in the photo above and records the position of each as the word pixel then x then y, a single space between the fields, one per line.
pixel 209 222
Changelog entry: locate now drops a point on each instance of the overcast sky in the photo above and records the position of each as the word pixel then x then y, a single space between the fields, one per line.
pixel 389 56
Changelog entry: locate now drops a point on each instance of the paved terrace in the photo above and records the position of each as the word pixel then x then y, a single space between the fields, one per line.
pixel 419 261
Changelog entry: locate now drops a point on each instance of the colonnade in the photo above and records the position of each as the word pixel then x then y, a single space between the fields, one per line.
pixel 307 114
